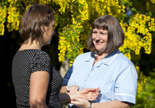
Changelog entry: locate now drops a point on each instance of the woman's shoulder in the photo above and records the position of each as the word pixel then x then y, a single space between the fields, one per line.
pixel 122 58
pixel 33 54
pixel 41 55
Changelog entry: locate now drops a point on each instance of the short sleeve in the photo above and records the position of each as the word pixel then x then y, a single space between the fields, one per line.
pixel 40 62
pixel 76 63
pixel 67 76
pixel 126 85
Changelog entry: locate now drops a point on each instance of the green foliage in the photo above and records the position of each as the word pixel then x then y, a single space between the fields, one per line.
pixel 146 98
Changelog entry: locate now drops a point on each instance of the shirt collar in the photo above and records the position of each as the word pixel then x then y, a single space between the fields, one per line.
pixel 106 60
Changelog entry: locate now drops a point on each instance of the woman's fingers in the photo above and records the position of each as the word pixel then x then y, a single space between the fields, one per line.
pixel 81 102
pixel 73 89
pixel 67 88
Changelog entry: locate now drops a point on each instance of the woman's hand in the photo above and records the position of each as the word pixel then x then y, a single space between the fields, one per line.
pixel 83 103
pixel 72 89
pixel 88 93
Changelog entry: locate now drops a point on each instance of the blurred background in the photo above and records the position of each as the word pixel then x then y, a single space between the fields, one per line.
pixel 10 42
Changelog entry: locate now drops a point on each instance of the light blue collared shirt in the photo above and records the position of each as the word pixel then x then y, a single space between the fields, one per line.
pixel 115 75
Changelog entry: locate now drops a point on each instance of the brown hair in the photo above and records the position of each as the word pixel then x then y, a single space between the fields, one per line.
pixel 35 16
pixel 115 33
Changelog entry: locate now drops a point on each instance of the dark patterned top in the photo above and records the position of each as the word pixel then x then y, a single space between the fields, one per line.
pixel 26 62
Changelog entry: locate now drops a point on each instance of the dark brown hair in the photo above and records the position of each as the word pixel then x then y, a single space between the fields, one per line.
pixel 115 33
pixel 35 16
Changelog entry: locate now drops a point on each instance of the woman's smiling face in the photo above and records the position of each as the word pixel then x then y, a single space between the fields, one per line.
pixel 100 39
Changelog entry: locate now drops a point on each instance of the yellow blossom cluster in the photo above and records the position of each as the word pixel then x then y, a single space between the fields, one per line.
pixel 69 45
pixel 62 4
pixel 137 34
pixel 44 1
pixel 153 1
pixel 110 7
pixel 71 32
pixel 2 19
pixel 29 2
pixel 84 10
pixel 141 80
pixel 13 18
pixel 62 48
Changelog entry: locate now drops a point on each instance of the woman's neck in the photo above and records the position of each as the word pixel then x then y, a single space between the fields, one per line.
pixel 33 45
pixel 99 57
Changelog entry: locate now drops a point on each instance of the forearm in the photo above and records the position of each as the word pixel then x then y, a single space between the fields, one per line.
pixel 38 104
pixel 111 104
pixel 63 89
pixel 65 97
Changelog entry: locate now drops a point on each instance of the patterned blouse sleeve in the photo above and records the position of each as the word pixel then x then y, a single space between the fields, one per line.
pixel 40 62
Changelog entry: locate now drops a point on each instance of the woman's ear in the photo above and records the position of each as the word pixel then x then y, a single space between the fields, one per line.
pixel 42 29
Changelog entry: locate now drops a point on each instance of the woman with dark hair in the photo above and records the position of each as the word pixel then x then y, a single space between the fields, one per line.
pixel 105 67
pixel 36 82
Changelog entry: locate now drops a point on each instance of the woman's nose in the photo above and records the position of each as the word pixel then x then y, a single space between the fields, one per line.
pixel 98 36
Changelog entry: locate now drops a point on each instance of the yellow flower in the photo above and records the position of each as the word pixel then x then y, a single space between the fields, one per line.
pixel 1 29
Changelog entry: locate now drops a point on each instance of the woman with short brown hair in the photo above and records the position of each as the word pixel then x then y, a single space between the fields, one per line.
pixel 36 82
pixel 105 67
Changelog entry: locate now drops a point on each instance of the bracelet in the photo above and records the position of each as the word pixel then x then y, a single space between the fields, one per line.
pixel 90 105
